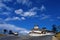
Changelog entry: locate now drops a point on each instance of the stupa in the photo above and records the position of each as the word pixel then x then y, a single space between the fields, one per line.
pixel 39 32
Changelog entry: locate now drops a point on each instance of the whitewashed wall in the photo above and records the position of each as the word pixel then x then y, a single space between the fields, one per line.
pixel 41 38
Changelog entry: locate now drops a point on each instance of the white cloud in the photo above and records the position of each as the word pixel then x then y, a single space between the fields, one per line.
pixel 34 9
pixel 58 17
pixel 0 0
pixel 43 17
pixel 13 28
pixel 4 6
pixel 28 3
pixel 25 31
pixel 25 14
pixel 22 18
pixel 19 11
pixel 4 9
pixel 13 18
pixel 23 1
pixel 42 8
pixel 29 14
pixel 5 13
pixel 16 18
pixel 8 19
pixel 7 0
pixel 9 9
pixel 2 21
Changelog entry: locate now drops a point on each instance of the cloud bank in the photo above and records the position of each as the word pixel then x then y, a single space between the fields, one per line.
pixel 14 28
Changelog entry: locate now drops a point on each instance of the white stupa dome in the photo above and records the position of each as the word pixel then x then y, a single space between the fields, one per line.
pixel 36 27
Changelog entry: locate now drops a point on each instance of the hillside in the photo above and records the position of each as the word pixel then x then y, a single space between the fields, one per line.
pixel 1 35
pixel 58 36
pixel 24 37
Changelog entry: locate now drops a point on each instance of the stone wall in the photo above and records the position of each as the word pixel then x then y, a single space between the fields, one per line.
pixel 41 38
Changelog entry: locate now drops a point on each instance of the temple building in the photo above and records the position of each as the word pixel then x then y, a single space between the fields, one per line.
pixel 36 31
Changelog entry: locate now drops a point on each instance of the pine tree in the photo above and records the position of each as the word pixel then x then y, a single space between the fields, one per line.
pixel 54 29
pixel 5 31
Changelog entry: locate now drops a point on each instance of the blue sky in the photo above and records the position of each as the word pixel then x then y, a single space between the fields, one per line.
pixel 24 14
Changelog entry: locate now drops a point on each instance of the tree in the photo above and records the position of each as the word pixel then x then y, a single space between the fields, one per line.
pixel 58 28
pixel 54 28
pixel 5 31
pixel 10 32
pixel 44 28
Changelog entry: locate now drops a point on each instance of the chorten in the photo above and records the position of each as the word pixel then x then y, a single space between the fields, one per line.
pixel 36 27
pixel 36 31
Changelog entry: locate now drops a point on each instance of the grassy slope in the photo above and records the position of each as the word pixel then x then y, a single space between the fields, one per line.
pixel 58 35
pixel 1 35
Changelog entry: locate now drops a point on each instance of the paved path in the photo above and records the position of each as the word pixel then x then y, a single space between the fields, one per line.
pixel 11 38
pixel 26 38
